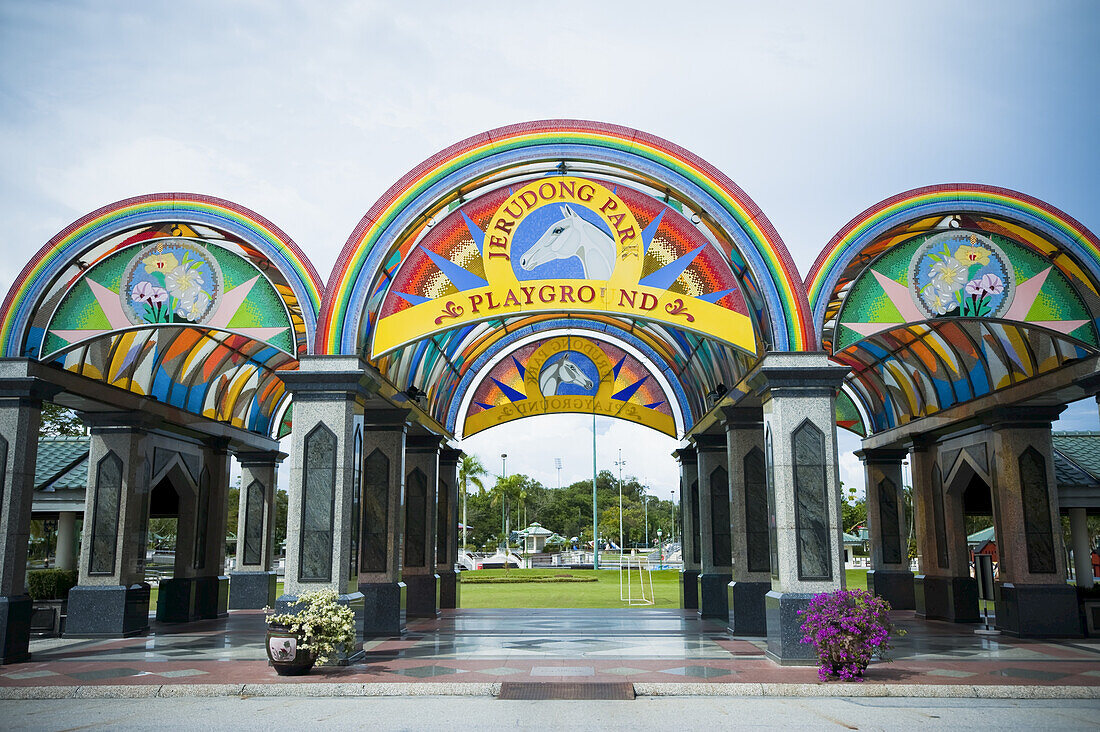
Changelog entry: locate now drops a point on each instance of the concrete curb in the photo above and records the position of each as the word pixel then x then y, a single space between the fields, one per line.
pixel 932 691
pixel 965 691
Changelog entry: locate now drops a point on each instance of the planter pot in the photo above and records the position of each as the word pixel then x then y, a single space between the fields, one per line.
pixel 285 653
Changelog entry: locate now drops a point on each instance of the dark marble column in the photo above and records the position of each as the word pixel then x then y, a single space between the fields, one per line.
pixel 689 532
pixel 804 493
pixel 447 528
pixel 1032 597
pixel 421 487
pixel 890 576
pixel 716 555
pixel 944 589
pixel 380 580
pixel 252 584
pixel 112 598
pixel 748 492
pixel 20 411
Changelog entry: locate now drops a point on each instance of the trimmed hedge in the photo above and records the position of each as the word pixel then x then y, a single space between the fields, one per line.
pixel 523 580
pixel 51 584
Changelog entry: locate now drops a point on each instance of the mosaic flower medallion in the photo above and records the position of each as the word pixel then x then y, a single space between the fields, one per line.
pixel 961 274
pixel 171 281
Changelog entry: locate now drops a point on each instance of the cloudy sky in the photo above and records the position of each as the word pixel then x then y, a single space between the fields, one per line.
pixel 306 112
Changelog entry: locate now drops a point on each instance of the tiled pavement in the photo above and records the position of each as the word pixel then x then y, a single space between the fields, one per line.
pixel 635 645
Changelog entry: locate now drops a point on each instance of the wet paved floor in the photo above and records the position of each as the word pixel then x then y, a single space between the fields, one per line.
pixel 637 645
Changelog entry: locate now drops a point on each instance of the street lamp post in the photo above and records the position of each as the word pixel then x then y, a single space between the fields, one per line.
pixel 662 548
pixel 620 462
pixel 645 503
pixel 595 521
pixel 504 503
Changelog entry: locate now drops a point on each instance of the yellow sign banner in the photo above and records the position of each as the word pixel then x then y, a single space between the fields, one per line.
pixel 539 230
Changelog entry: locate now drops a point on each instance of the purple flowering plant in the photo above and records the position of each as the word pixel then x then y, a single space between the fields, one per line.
pixel 847 628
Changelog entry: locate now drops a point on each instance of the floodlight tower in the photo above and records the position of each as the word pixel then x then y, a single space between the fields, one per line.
pixel 557 464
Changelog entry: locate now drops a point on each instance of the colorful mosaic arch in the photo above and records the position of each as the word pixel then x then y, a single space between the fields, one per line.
pixel 948 293
pixel 517 157
pixel 194 301
pixel 569 374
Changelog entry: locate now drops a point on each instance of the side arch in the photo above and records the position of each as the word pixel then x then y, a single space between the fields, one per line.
pixel 192 300
pixel 922 329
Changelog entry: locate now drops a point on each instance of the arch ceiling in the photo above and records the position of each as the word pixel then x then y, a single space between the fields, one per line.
pixel 563 224
pixel 192 300
pixel 947 293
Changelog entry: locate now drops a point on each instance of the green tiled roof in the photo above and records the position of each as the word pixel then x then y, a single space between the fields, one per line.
pixel 1080 457
pixel 979 536
pixel 62 463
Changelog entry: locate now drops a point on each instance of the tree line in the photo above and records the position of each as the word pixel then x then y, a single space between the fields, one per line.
pixel 567 511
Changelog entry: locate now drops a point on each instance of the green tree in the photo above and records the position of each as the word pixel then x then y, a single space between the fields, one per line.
pixel 853 512
pixel 58 421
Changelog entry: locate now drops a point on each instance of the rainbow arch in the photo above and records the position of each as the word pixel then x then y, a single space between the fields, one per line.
pixel 944 198
pixel 28 288
pixel 339 325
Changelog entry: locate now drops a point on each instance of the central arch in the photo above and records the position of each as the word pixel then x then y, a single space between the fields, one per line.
pixel 569 226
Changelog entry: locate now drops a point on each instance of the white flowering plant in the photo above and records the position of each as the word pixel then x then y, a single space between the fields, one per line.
pixel 323 624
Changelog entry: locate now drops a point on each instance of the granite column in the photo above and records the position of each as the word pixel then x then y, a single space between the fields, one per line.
pixel 1032 597
pixel 380 578
pixel 890 576
pixel 447 527
pixel 804 493
pixel 252 584
pixel 944 589
pixel 323 495
pixel 716 556
pixel 421 487
pixel 689 523
pixel 20 415
pixel 112 597
pixel 748 496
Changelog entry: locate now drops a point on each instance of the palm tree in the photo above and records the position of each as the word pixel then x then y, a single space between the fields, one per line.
pixel 505 494
pixel 470 472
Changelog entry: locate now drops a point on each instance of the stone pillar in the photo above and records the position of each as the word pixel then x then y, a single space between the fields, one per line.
pixel 421 486
pixel 323 495
pixel 66 540
pixel 447 528
pixel 384 594
pixel 1082 548
pixel 112 598
pixel 889 576
pixel 716 555
pixel 1032 596
pixel 804 493
pixel 748 496
pixel 20 414
pixel 689 521
pixel 944 589
pixel 211 515
pixel 252 584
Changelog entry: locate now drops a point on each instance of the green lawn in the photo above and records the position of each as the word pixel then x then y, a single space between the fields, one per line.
pixel 602 593
pixel 856 579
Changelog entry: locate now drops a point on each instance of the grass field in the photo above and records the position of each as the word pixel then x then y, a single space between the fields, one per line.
pixel 603 593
